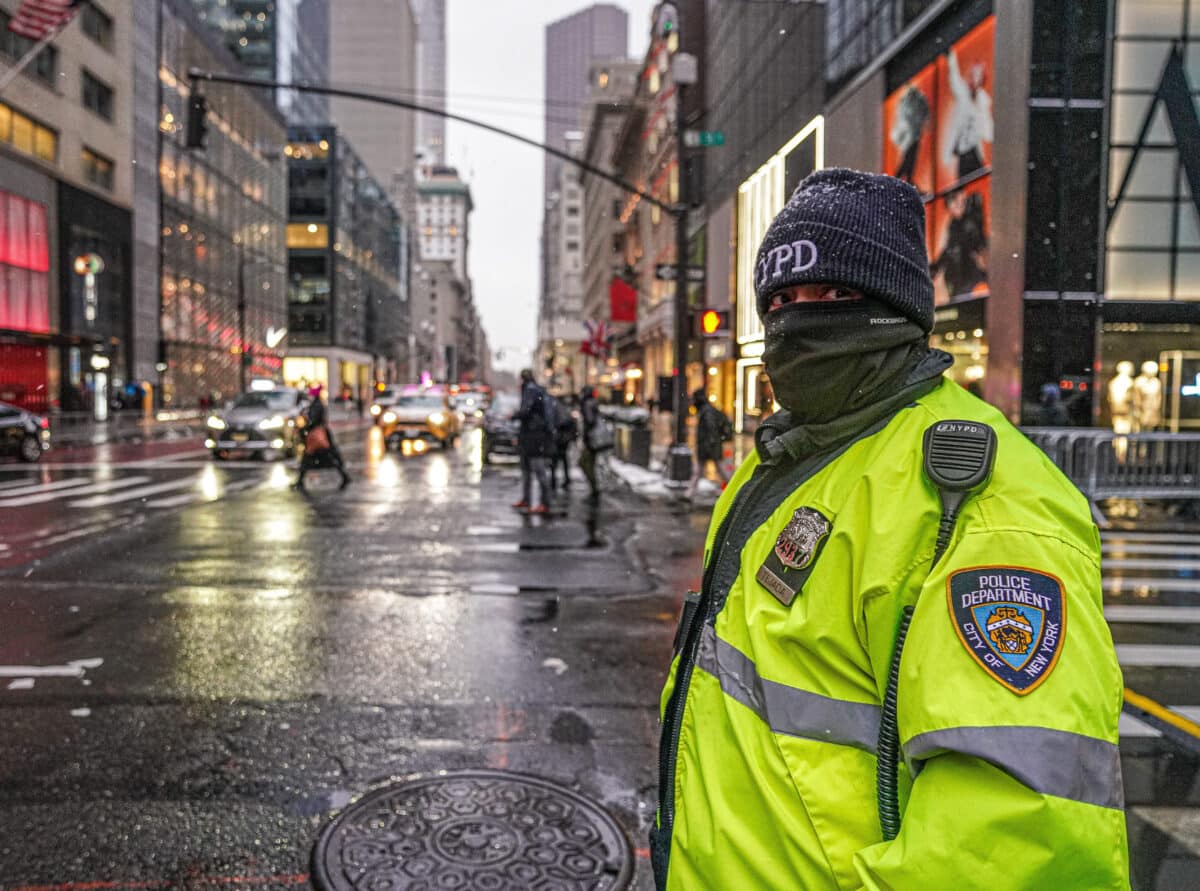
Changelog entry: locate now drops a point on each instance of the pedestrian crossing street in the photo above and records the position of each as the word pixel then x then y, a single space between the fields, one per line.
pixel 1152 603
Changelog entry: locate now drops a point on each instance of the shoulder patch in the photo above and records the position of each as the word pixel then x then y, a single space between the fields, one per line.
pixel 1012 620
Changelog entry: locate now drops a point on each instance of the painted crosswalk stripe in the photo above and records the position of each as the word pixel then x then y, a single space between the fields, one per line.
pixel 1120 584
pixel 35 488
pixel 1145 547
pixel 1158 656
pixel 13 484
pixel 1144 613
pixel 1167 537
pixel 191 497
pixel 1150 564
pixel 134 494
pixel 106 486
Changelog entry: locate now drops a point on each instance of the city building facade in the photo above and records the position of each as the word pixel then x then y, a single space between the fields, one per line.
pixel 560 312
pixel 66 191
pixel 431 80
pixel 347 275
pixel 373 47
pixel 222 273
pixel 280 40
pixel 445 321
pixel 614 83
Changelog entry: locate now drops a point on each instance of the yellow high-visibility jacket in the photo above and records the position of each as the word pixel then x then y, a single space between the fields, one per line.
pixel 1009 688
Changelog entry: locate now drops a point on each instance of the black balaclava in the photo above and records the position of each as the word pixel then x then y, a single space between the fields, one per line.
pixel 862 231
pixel 830 359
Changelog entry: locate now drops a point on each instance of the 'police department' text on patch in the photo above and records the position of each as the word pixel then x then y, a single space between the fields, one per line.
pixel 1011 620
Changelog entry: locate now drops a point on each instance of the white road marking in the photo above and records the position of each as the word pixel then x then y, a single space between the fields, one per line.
pixel 1119 584
pixel 73 669
pixel 1138 547
pixel 134 494
pixel 1158 655
pixel 106 486
pixel 33 489
pixel 1150 564
pixel 190 497
pixel 1173 537
pixel 21 684
pixel 12 484
pixel 1166 615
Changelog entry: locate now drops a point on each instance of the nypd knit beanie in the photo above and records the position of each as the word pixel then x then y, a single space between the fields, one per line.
pixel 861 230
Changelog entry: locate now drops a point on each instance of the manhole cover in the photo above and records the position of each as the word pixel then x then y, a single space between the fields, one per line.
pixel 478 830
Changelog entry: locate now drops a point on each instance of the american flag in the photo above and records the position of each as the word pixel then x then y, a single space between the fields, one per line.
pixel 38 19
pixel 597 341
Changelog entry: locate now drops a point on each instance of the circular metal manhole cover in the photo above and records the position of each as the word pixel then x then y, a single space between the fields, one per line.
pixel 476 830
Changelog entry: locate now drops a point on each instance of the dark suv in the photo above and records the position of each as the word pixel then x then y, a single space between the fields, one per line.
pixel 499 429
pixel 22 433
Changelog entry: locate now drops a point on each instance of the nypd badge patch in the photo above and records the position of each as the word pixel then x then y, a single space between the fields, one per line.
pixel 791 560
pixel 1012 621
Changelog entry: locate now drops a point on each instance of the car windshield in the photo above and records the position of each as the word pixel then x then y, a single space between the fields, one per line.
pixel 273 401
pixel 428 402
pixel 504 404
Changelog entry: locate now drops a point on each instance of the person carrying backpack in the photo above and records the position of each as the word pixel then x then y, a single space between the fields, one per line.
pixel 535 442
pixel 589 412
pixel 566 431
pixel 713 430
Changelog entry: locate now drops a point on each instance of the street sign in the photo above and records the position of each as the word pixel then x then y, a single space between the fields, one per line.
pixel 703 138
pixel 666 272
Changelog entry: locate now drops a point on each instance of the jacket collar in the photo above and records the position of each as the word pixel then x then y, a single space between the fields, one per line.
pixel 778 435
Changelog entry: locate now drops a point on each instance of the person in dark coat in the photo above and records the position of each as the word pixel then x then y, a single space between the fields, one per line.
pixel 589 412
pixel 535 442
pixel 566 431
pixel 713 430
pixel 317 418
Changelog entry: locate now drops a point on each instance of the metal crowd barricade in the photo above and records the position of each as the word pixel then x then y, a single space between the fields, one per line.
pixel 1104 464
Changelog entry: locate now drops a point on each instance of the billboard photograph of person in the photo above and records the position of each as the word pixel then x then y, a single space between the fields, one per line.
pixel 908 116
pixel 959 259
pixel 964 119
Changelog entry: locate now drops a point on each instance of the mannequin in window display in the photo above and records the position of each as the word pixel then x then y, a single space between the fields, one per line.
pixel 1120 406
pixel 1147 398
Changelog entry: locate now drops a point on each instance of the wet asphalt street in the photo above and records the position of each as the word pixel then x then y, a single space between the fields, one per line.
pixel 199 666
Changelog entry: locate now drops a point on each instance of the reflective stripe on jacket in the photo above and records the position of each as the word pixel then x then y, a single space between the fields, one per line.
pixel 773 774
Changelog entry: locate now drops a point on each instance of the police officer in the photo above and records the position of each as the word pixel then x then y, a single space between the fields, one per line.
pixel 1007 689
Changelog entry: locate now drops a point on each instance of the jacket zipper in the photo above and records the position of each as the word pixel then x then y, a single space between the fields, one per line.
pixel 668 748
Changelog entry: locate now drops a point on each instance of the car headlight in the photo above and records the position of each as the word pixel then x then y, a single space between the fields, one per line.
pixel 390 417
pixel 376 409
pixel 272 423
pixel 437 418
pixel 215 423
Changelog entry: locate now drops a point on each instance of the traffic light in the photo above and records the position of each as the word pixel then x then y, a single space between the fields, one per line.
pixel 710 323
pixel 197 120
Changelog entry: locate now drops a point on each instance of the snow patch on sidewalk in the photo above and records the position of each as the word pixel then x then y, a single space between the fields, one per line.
pixel 652 483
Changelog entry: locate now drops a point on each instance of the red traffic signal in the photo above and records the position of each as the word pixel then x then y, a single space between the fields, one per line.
pixel 711 322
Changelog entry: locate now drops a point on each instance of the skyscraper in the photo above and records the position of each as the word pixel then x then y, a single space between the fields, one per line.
pixel 285 40
pixel 573 44
pixel 373 45
pixel 431 79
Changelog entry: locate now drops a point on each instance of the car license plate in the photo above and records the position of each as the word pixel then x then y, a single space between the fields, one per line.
pixel 411 433
pixel 241 437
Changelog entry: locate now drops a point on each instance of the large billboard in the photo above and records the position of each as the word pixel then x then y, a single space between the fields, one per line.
pixel 938 136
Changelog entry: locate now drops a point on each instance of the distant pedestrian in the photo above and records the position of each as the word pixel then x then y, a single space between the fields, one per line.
pixel 589 413
pixel 566 431
pixel 535 442
pixel 713 430
pixel 319 448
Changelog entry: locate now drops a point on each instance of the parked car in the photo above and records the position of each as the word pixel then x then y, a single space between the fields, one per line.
pixel 23 433
pixel 499 429
pixel 260 422
pixel 423 414
pixel 471 404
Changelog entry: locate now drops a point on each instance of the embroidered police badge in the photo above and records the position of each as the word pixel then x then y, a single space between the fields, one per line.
pixel 1012 621
pixel 790 562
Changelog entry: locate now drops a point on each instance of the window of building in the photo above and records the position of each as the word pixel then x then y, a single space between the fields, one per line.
pixel 97 95
pixel 96 24
pixel 28 136
pixel 311 236
pixel 572 210
pixel 24 265
pixel 572 245
pixel 97 169
pixel 15 46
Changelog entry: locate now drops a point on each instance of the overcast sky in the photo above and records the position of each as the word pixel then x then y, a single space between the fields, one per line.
pixel 494 72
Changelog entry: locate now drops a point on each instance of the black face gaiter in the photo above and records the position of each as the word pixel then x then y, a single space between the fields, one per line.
pixel 830 359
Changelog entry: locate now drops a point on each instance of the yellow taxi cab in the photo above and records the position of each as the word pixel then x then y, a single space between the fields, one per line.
pixel 423 414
